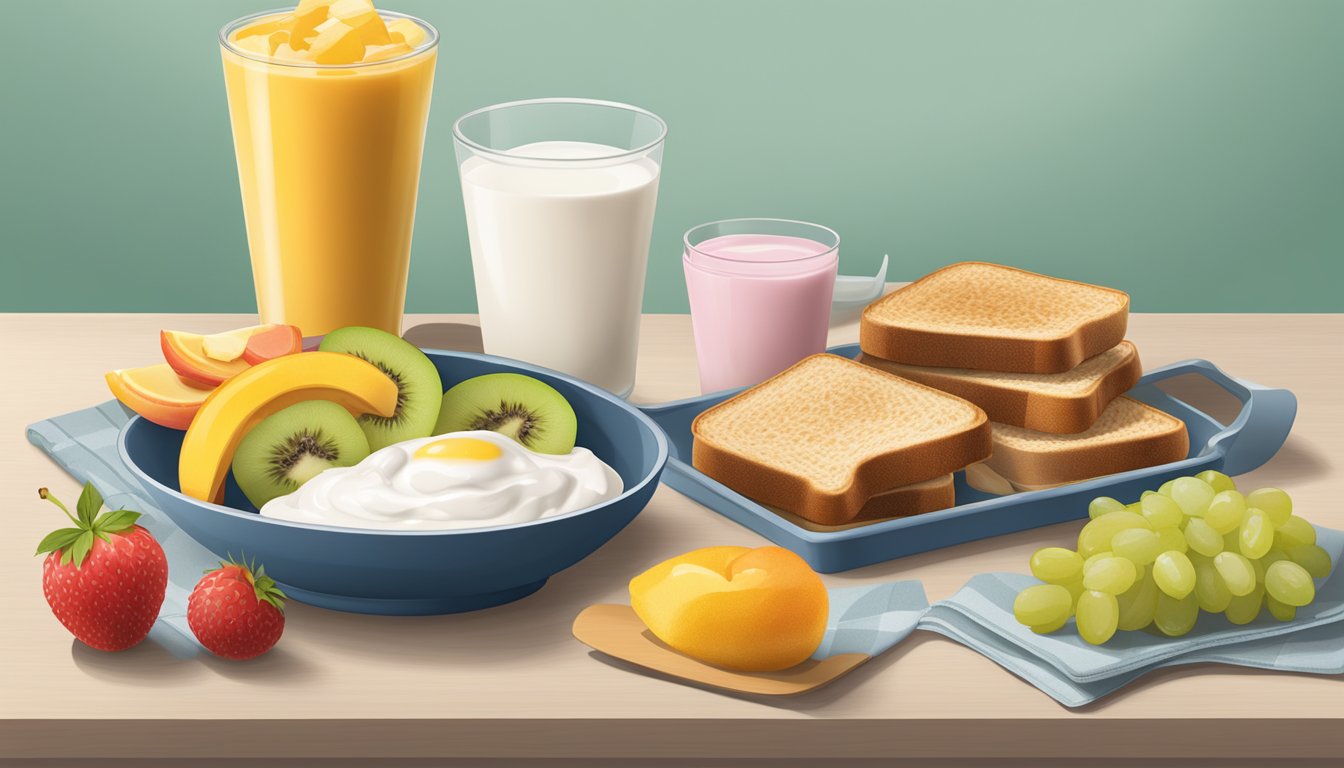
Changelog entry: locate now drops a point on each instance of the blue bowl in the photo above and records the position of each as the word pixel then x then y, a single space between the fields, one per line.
pixel 419 572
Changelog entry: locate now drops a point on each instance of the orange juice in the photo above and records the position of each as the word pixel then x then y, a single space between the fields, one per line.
pixel 328 121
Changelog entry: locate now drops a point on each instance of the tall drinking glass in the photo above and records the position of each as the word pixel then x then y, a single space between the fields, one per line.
pixel 760 292
pixel 329 166
pixel 559 196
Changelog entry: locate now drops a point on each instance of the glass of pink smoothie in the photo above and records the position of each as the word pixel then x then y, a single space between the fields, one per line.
pixel 760 293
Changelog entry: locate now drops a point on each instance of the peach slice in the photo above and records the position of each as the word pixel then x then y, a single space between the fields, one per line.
pixel 232 410
pixel 209 363
pixel 755 610
pixel 277 341
pixel 157 393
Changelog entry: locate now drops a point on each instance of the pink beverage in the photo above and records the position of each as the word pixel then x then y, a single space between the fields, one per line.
pixel 760 292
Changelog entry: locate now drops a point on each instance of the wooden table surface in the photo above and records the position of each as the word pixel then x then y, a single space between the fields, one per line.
pixel 511 682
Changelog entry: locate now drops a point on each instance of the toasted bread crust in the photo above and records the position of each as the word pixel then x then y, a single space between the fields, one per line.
pixel 1027 468
pixel 906 501
pixel 1043 412
pixel 915 463
pixel 922 346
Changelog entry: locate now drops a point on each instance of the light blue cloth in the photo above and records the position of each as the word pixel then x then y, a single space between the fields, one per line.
pixel 84 444
pixel 868 619
pixel 872 619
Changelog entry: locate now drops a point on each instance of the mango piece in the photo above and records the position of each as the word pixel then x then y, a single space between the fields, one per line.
pixel 756 610
pixel 360 15
pixel 307 16
pixel 336 43
pixel 406 31
pixel 384 52
pixel 238 405
pixel 287 53
pixel 256 44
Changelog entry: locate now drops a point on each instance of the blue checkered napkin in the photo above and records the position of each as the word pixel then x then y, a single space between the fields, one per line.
pixel 987 600
pixel 84 444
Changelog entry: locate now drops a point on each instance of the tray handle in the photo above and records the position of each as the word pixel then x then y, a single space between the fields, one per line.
pixel 1260 429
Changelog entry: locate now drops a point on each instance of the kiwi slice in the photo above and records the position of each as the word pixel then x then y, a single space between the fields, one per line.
pixel 419 388
pixel 289 447
pixel 526 409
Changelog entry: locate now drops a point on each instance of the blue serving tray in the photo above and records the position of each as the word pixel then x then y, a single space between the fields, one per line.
pixel 1251 439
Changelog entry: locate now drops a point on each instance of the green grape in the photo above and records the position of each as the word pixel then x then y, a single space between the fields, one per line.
pixel 1243 609
pixel 1313 559
pixel 1192 494
pixel 1101 505
pixel 1097 534
pixel 1075 589
pixel 1210 591
pixel 1165 488
pixel 1134 507
pixel 1160 511
pixel 1237 572
pixel 1271 557
pixel 1202 538
pixel 1256 535
pixel 1226 511
pixel 1280 611
pixel 1274 502
pixel 1174 574
pixel 1289 583
pixel 1098 616
pixel 1232 541
pixel 1042 604
pixel 1173 540
pixel 1112 575
pixel 1217 480
pixel 1175 616
pixel 1045 629
pixel 1056 565
pixel 1138 544
pixel 1138 604
pixel 1295 532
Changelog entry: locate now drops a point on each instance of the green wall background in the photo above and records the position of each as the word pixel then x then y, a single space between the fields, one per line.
pixel 1189 152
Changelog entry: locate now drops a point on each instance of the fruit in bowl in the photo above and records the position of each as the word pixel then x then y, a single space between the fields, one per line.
pixel 396 569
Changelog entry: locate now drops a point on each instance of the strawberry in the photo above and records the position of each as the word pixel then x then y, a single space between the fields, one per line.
pixel 236 611
pixel 106 577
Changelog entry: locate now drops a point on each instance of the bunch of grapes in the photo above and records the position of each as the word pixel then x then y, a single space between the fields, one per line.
pixel 1194 544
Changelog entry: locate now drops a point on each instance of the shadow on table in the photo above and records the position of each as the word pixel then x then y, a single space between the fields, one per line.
pixel 459 337
pixel 149 665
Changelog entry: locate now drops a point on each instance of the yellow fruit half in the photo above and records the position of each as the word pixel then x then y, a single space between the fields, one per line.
pixel 755 610
pixel 233 409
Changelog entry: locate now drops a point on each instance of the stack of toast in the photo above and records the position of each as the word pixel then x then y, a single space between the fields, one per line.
pixel 832 442
pixel 1016 377
pixel 1044 357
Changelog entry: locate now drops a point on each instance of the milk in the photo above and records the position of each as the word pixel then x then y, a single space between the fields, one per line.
pixel 559 246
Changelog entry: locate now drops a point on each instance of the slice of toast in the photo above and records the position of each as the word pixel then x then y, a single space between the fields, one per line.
pixel 908 500
pixel 1128 435
pixel 1062 403
pixel 823 437
pixel 994 318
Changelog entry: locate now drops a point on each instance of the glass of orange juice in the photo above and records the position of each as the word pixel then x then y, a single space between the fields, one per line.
pixel 328 104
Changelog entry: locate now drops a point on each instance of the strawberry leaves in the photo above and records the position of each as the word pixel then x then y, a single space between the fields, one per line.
pixel 264 586
pixel 75 543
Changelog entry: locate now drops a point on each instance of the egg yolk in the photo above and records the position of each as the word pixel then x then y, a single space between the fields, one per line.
pixel 459 449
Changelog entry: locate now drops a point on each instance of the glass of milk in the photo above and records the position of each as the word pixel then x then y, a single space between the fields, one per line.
pixel 760 292
pixel 559 195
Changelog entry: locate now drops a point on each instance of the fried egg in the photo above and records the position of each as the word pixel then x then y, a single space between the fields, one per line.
pixel 450 481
